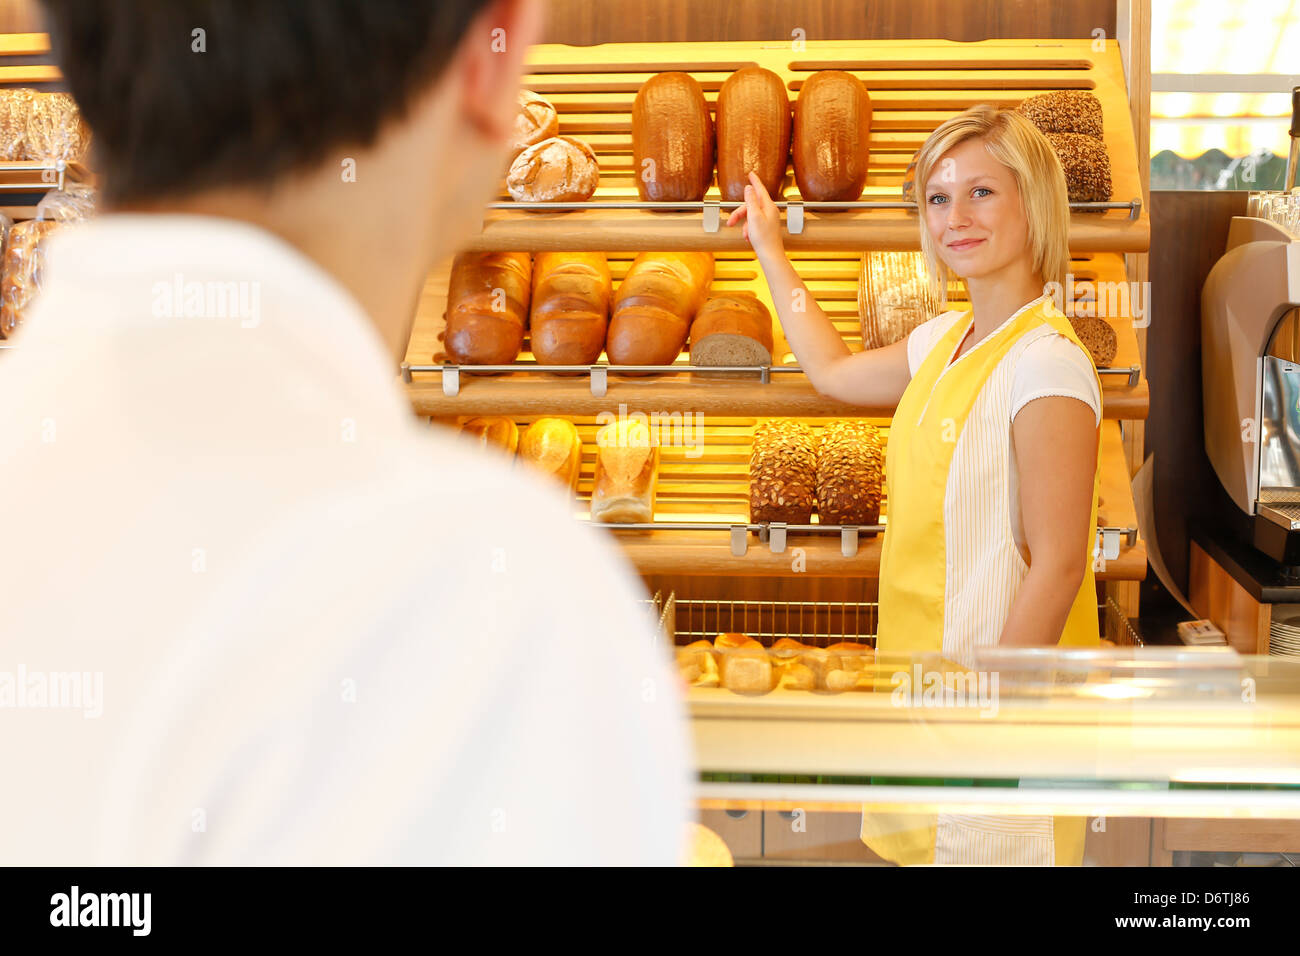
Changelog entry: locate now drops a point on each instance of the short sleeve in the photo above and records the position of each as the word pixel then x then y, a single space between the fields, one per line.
pixel 1053 365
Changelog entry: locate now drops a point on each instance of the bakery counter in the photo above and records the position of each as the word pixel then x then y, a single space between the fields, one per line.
pixel 704 478
pixel 1098 288
pixel 1125 731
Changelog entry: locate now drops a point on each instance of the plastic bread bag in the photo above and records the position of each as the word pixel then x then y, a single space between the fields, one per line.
pixel 74 203
pixel 23 262
pixel 5 225
pixel 55 130
pixel 15 105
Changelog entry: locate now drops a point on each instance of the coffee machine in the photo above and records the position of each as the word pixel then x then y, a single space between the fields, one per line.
pixel 1250 369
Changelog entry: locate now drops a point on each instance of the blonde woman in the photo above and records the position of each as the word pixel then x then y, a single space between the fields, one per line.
pixel 991 468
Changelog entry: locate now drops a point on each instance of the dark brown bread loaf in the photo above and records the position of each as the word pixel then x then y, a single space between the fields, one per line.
pixel 1064 111
pixel 782 472
pixel 1086 164
pixel 672 129
pixel 487 307
pixel 753 132
pixel 832 128
pixel 850 465
pixel 1098 337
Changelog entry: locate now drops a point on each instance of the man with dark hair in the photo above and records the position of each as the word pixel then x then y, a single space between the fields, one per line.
pixel 254 610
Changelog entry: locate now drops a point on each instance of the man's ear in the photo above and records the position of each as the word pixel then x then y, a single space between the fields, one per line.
pixel 491 60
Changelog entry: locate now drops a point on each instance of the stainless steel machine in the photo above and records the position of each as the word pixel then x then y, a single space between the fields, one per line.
pixel 1250 368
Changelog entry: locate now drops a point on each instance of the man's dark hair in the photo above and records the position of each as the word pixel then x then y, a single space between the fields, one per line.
pixel 279 84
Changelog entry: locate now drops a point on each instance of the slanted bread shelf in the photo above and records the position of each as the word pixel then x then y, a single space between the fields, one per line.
pixel 914 86
pixel 832 279
pixel 704 477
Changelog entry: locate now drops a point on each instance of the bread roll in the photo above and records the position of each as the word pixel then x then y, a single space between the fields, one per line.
pixel 1064 111
pixel 707 848
pixel 570 307
pixel 782 472
pixel 732 329
pixel 853 656
pixel 535 121
pixel 487 307
pixel 790 671
pixel 654 307
pixel 492 431
pixel 559 169
pixel 552 446
pixel 672 139
pixel 627 472
pixel 1086 164
pixel 753 132
pixel 832 127
pixel 850 468
pixel 698 664
pixel 1098 337
pixel 744 664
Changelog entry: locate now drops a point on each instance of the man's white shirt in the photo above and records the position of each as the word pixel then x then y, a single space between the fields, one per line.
pixel 323 630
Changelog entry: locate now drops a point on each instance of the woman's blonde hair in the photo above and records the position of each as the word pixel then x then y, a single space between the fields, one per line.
pixel 1018 144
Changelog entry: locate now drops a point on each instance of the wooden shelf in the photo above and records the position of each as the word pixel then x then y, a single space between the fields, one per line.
pixel 704 476
pixel 914 87
pixel 832 279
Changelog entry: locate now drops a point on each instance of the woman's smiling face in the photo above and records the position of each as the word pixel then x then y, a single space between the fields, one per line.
pixel 973 212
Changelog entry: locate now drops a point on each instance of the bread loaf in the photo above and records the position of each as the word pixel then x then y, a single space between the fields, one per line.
pixel 744 664
pixel 1098 337
pixel 782 472
pixel 732 329
pixel 559 169
pixel 753 132
pixel 1086 164
pixel 672 139
pixel 627 472
pixel 832 126
pixel 535 121
pixel 570 307
pixel 487 307
pixel 790 671
pixel 55 129
pixel 492 431
pixel 655 305
pixel 1064 111
pixel 552 446
pixel 850 465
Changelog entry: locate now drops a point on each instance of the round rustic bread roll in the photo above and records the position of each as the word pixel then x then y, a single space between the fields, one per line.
pixel 535 121
pixel 559 169
pixel 707 848
pixel 1064 111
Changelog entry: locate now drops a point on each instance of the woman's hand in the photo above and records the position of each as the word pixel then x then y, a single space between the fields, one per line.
pixel 762 221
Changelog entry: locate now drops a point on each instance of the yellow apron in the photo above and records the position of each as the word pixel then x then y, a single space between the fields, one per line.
pixel 922 440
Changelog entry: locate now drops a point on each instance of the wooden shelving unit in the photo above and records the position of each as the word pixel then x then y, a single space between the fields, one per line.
pixel 832 279
pixel 914 86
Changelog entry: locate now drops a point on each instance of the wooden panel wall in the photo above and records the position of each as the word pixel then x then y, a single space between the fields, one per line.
pixel 1188 233
pixel 582 22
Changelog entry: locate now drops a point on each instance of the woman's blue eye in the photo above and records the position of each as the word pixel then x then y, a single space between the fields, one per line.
pixel 938 196
pixel 983 189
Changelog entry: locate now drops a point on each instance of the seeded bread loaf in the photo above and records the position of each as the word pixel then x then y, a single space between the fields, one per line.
pixel 1064 111
pixel 782 472
pixel 1098 337
pixel 1086 164
pixel 850 464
